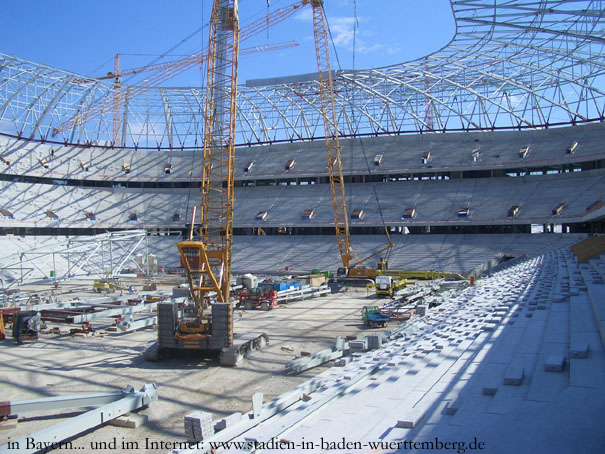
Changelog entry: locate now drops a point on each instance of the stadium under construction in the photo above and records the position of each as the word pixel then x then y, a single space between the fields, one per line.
pixel 404 258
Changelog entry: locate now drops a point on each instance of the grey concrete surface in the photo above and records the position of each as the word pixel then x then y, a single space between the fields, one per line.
pixel 57 365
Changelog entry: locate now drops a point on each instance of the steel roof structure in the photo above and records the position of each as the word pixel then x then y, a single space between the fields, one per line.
pixel 512 64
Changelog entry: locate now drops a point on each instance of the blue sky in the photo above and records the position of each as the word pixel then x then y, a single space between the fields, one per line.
pixel 83 35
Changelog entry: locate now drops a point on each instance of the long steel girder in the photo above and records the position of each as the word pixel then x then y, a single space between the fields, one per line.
pixel 511 64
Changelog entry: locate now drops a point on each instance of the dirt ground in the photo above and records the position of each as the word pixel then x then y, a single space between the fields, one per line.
pixel 63 364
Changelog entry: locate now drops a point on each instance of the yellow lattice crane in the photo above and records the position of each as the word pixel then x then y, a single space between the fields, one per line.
pixel 213 252
pixel 352 264
pixel 208 259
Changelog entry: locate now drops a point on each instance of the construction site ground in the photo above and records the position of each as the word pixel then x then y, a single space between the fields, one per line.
pixel 63 364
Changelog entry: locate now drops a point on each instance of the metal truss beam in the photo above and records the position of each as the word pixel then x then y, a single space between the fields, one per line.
pixel 99 255
pixel 546 55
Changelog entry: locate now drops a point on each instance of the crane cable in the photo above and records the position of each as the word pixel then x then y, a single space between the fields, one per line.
pixel 193 155
pixel 352 105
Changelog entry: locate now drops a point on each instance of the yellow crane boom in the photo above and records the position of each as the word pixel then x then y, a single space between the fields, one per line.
pixel 208 260
pixel 328 109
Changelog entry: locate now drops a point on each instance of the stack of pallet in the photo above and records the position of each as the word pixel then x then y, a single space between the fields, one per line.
pixel 167 324
pixel 198 426
pixel 359 345
pixel 374 341
pixel 222 325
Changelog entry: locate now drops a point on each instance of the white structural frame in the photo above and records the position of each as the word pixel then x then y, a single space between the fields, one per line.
pixel 514 64
pixel 103 255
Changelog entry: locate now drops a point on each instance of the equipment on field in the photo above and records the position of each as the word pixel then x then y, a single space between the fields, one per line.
pixel 372 317
pixel 207 258
pixel 263 298
pixel 388 286
pixel 26 325
pixel 108 285
pixel 352 265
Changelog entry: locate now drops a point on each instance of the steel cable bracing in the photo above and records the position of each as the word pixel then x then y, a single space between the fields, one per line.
pixel 363 152
pixel 511 64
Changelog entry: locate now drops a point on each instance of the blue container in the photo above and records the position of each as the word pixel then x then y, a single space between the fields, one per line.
pixel 279 286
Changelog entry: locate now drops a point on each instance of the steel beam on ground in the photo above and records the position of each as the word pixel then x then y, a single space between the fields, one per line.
pixel 122 310
pixel 308 362
pixel 58 403
pixel 127 325
pixel 53 437
pixel 306 292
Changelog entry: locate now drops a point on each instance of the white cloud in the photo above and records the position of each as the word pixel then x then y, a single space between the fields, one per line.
pixel 342 31
pixel 393 50
pixel 343 34
pixel 368 49
pixel 305 15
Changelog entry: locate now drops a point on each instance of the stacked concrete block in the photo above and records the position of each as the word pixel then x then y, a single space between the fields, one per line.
pixel 411 418
pixel 180 292
pixel 579 350
pixel 358 346
pixel 490 386
pixel 514 375
pixel 374 341
pixel 222 325
pixel 167 324
pixel 342 362
pixel 198 426
pixel 422 309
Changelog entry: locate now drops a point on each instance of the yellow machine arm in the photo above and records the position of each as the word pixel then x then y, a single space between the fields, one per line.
pixel 208 261
pixel 328 109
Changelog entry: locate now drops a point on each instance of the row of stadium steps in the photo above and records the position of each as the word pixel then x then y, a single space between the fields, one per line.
pixel 517 359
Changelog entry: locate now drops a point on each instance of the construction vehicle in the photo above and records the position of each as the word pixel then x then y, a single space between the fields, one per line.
pixel 108 285
pixel 373 318
pixel 207 258
pixel 388 285
pixel 263 298
pixel 389 282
